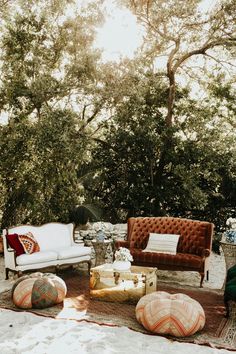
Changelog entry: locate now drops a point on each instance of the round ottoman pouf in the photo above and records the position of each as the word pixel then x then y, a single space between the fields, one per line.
pixel 176 314
pixel 38 290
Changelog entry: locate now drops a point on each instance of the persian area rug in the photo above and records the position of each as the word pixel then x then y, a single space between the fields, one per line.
pixel 218 332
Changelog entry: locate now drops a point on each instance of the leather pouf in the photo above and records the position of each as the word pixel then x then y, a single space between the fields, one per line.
pixel 176 314
pixel 38 290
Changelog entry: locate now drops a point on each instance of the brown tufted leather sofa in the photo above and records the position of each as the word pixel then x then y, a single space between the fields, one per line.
pixel 193 248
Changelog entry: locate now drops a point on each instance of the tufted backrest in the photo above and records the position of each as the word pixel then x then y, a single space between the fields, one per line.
pixel 195 236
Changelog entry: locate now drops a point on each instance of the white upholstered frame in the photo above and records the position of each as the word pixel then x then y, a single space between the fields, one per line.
pixel 61 234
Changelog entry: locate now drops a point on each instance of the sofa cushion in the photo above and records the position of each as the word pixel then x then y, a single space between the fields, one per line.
pixel 157 259
pixel 57 235
pixel 49 235
pixel 29 243
pixel 73 251
pixel 14 243
pixel 162 243
pixel 37 257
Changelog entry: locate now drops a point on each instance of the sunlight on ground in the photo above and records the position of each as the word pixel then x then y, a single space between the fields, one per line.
pixel 74 308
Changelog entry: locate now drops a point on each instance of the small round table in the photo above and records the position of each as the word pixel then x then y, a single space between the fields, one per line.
pixel 100 248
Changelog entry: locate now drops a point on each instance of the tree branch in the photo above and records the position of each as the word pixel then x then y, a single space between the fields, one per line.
pixel 83 112
pixel 101 125
pixel 222 62
pixel 171 56
pixel 4 2
pixel 201 50
pixel 146 20
pixel 91 118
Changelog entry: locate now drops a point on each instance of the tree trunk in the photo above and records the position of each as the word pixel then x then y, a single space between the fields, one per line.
pixel 171 98
pixel 167 137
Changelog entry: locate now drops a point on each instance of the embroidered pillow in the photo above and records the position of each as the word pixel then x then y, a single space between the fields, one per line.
pixel 14 243
pixel 162 243
pixel 29 243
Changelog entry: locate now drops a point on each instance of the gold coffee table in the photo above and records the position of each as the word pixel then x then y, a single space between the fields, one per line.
pixel 125 286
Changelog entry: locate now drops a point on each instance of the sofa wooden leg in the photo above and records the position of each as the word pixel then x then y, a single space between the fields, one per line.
pixel 57 269
pixel 202 278
pixel 226 308
pixel 7 273
pixel 89 266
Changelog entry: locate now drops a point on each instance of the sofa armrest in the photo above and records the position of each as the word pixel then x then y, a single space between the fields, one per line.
pixel 206 253
pixel 121 243
pixel 9 253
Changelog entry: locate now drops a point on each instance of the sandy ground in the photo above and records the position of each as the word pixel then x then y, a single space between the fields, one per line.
pixel 22 332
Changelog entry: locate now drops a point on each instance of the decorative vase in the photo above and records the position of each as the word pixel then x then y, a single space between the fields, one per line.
pixel 100 236
pixel 122 266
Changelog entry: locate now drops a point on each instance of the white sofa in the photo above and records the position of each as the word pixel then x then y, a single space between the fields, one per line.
pixel 57 247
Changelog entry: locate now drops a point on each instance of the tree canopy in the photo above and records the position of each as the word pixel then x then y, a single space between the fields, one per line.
pixel 152 135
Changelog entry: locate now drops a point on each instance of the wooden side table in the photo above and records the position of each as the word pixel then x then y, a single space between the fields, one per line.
pixel 100 248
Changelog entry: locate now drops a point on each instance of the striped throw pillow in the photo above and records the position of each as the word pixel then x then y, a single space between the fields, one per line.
pixel 162 243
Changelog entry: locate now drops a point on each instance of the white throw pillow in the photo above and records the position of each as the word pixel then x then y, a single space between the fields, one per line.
pixel 162 243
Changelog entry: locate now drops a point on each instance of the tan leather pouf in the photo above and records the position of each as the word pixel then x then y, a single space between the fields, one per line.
pixel 38 290
pixel 175 314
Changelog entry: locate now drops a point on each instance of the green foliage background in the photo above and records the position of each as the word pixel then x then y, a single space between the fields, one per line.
pixel 81 131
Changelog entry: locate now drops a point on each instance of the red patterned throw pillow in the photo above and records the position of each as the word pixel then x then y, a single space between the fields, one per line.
pixel 29 243
pixel 14 243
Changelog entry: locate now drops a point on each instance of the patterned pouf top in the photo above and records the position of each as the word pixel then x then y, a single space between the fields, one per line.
pixel 175 314
pixel 38 290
